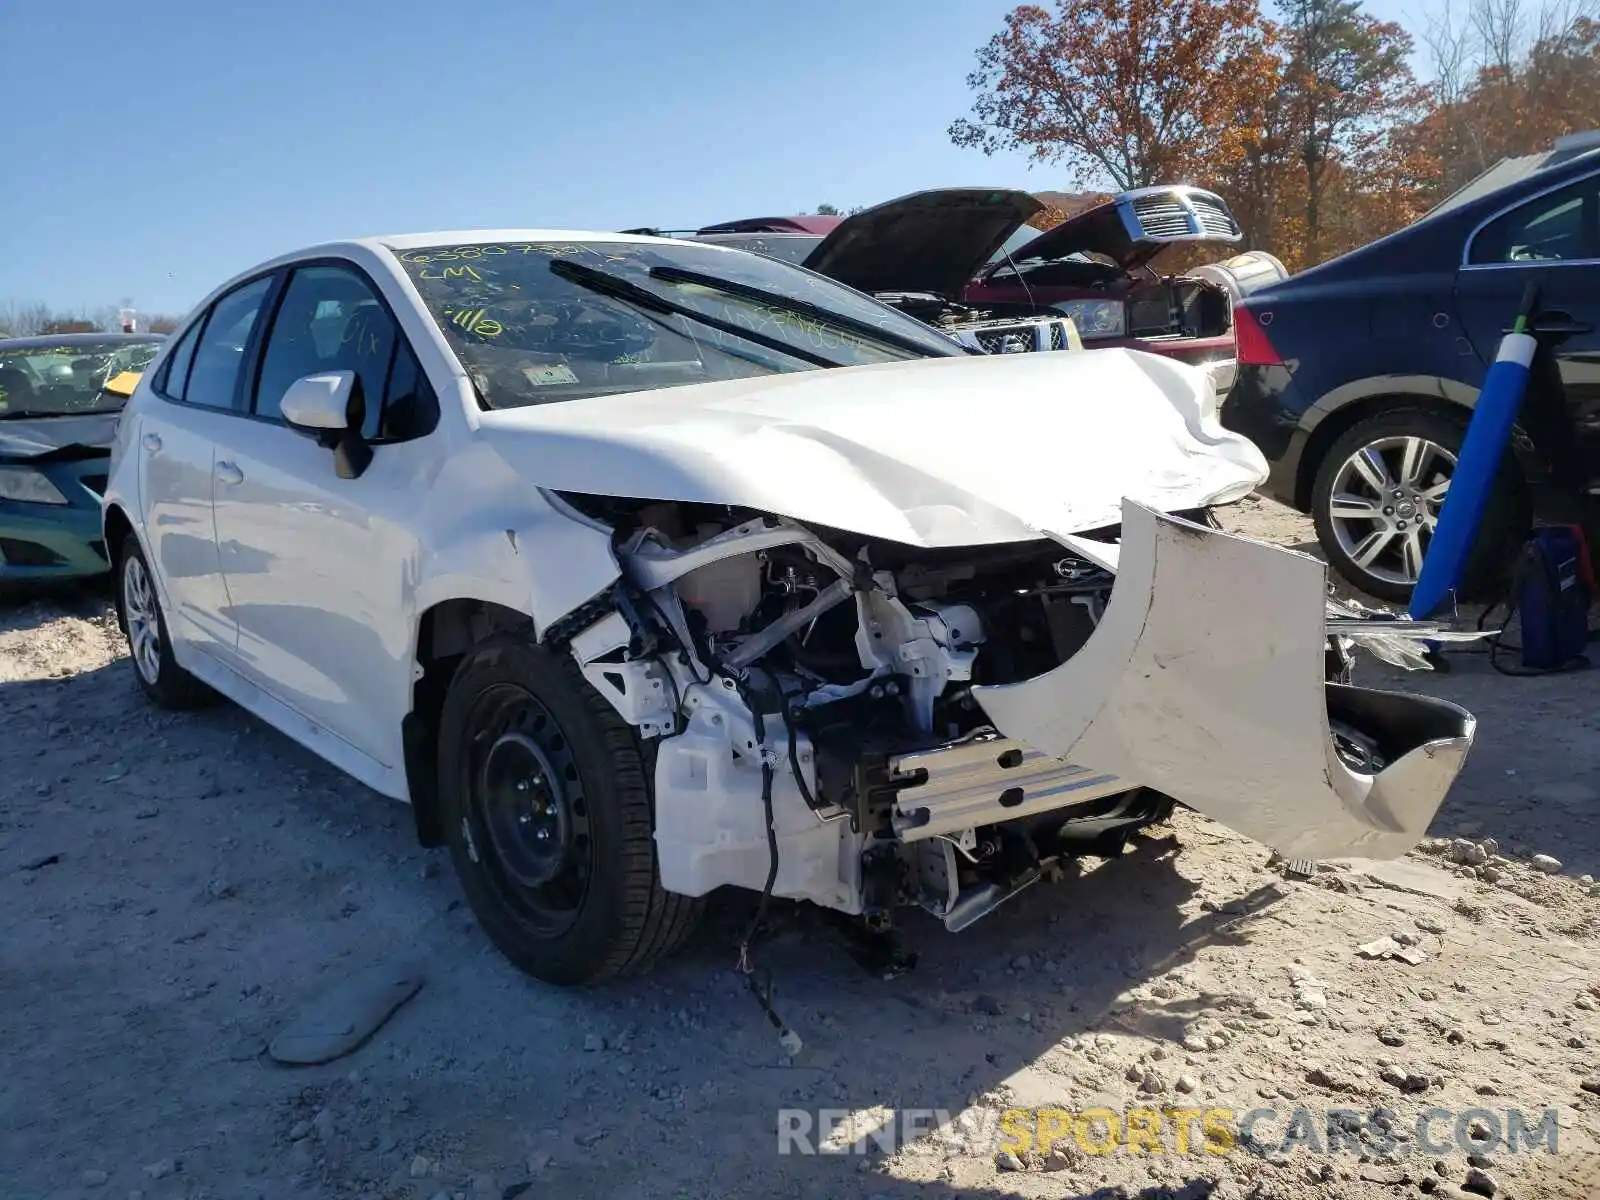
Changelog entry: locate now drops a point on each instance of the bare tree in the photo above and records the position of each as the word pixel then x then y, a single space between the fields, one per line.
pixel 1450 52
pixel 24 319
pixel 1499 26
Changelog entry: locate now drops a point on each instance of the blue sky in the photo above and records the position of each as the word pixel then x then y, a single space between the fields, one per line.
pixel 153 149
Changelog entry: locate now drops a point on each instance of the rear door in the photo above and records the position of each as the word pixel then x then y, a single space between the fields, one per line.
pixel 199 390
pixel 1552 239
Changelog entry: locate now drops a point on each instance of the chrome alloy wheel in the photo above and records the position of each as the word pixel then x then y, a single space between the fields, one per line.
pixel 140 611
pixel 1385 503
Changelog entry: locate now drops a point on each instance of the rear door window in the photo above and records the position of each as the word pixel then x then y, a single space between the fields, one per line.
pixel 175 375
pixel 1560 226
pixel 219 354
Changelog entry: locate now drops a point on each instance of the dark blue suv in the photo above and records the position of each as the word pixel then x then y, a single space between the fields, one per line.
pixel 1357 377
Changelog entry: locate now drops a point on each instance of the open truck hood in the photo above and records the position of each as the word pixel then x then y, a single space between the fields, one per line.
pixel 933 241
pixel 1133 227
pixel 934 452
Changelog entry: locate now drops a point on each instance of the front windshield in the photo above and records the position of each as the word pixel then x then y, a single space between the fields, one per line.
pixel 790 247
pixel 67 379
pixel 1015 242
pixel 528 335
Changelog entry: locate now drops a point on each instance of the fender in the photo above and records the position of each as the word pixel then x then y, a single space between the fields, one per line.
pixel 1318 427
pixel 1426 387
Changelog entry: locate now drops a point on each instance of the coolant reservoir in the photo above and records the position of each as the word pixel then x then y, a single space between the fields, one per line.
pixel 1243 273
pixel 724 592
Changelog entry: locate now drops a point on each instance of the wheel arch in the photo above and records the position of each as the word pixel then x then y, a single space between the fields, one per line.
pixel 116 528
pixel 445 632
pixel 1344 407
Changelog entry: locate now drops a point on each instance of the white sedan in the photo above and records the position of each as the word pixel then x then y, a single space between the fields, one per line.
pixel 642 567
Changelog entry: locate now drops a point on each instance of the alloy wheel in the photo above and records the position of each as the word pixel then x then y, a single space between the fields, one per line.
pixel 1385 502
pixel 140 611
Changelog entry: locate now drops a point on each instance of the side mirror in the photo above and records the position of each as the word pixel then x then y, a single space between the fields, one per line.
pixel 320 403
pixel 122 384
pixel 330 407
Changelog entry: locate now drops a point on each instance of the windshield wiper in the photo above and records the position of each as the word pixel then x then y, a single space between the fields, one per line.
pixel 608 284
pixel 804 307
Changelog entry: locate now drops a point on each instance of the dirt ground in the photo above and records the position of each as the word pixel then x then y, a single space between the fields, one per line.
pixel 175 886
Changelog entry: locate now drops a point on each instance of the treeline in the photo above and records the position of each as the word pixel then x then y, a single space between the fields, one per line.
pixel 1309 120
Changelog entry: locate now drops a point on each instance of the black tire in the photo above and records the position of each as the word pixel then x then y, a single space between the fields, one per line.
pixel 599 914
pixel 160 678
pixel 1504 525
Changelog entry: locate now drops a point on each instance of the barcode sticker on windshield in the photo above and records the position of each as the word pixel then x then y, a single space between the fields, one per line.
pixel 552 373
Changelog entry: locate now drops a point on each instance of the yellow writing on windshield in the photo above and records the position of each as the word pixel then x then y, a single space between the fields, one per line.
pixel 473 321
pixel 451 273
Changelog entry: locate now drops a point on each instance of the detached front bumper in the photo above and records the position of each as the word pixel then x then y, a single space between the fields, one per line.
pixel 1205 680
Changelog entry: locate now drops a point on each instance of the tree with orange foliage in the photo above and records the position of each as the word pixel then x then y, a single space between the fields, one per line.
pixel 1140 91
pixel 1346 83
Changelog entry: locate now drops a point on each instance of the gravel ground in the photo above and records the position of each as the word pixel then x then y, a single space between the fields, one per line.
pixel 175 886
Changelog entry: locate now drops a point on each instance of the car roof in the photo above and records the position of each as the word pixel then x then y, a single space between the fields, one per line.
pixel 44 341
pixel 1513 170
pixel 479 237
pixel 396 243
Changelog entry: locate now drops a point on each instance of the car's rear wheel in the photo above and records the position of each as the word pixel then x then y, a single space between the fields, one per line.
pixel 149 647
pixel 1377 498
pixel 547 811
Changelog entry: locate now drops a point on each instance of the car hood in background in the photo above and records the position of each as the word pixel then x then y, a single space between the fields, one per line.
pixel 934 452
pixel 933 241
pixel 33 437
pixel 1133 227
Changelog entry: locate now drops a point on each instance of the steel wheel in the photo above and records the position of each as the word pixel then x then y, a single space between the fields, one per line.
pixel 527 815
pixel 544 800
pixel 1385 502
pixel 140 610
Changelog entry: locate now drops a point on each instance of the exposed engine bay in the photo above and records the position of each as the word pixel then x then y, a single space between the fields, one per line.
pixel 1114 303
pixel 1000 328
pixel 808 694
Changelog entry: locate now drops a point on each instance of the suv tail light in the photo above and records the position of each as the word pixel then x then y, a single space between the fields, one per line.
pixel 1253 347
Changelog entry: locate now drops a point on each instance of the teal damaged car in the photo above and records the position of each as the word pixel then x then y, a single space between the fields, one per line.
pixel 60 397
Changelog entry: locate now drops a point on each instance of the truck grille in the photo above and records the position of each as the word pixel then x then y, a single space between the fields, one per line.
pixel 1015 337
pixel 1161 216
pixel 1215 220
pixel 1165 216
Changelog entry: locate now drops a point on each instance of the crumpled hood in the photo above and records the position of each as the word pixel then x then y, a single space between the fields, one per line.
pixel 30 437
pixel 932 452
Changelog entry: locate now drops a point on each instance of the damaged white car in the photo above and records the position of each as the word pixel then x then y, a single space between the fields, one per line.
pixel 643 567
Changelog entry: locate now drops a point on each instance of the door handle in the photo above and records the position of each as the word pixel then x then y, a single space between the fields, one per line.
pixel 152 442
pixel 1555 321
pixel 229 472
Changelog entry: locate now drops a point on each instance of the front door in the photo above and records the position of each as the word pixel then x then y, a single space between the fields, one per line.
pixel 319 569
pixel 1552 240
pixel 198 393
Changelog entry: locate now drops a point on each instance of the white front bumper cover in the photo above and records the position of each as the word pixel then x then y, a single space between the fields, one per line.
pixel 1205 680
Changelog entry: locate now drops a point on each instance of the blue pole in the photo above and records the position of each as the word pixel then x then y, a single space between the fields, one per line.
pixel 1488 435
